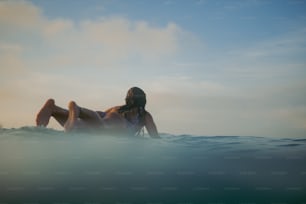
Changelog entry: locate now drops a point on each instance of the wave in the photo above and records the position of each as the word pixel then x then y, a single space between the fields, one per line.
pixel 222 142
pixel 51 166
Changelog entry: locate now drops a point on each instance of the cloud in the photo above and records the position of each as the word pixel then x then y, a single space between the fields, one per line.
pixel 107 42
pixel 122 36
pixel 57 27
pixel 11 62
pixel 272 60
pixel 185 104
pixel 100 42
pixel 12 48
pixel 291 44
pixel 19 13
pixel 64 43
pixel 186 85
pixel 42 57
pixel 247 91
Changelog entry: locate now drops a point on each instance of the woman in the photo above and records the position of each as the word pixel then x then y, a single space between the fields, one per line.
pixel 129 118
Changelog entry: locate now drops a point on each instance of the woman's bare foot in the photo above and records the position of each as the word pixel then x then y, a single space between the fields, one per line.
pixel 43 116
pixel 74 112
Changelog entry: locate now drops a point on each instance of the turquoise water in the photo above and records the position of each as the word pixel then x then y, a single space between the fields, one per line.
pixel 39 165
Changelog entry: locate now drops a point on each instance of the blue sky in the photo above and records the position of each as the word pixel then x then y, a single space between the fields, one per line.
pixel 208 67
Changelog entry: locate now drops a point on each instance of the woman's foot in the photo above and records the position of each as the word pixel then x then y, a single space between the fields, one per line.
pixel 43 116
pixel 74 112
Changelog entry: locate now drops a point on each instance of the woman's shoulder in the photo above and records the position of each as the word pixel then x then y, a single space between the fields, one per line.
pixel 148 115
pixel 113 109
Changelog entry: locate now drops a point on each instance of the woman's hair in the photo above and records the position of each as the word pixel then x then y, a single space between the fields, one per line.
pixel 135 97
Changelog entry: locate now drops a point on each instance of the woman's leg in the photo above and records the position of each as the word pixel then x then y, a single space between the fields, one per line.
pixel 50 109
pixel 74 113
pixel 82 118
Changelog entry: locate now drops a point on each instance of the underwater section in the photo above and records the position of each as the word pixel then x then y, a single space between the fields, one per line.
pixel 39 165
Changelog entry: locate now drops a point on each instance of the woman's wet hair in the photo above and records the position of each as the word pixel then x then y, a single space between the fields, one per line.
pixel 135 97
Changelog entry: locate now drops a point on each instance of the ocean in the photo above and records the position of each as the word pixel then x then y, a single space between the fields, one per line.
pixel 40 165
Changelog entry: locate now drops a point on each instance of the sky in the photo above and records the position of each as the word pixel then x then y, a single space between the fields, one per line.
pixel 208 67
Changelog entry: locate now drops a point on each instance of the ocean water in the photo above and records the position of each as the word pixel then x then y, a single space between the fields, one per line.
pixel 39 165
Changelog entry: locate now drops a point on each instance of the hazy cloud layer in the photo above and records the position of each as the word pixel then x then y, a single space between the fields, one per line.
pixel 258 89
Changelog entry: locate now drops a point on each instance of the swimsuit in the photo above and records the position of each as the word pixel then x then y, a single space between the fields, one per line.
pixel 134 125
pixel 101 114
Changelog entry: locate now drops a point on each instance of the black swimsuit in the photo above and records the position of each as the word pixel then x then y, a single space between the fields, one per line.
pixel 101 114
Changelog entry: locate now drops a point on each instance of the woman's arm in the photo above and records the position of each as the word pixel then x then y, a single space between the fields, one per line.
pixel 150 126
